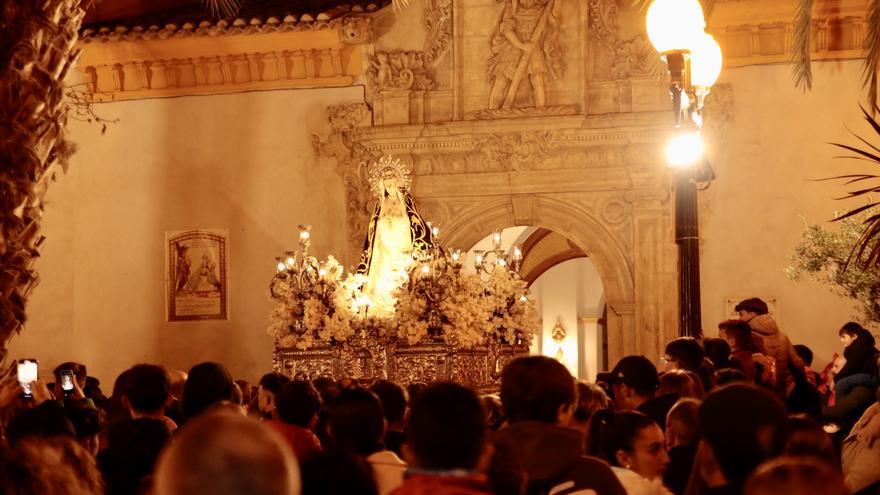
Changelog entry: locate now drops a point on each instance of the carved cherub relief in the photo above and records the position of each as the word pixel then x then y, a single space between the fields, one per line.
pixel 525 46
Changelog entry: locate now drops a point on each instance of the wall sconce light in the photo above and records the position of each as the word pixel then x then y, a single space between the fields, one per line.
pixel 558 335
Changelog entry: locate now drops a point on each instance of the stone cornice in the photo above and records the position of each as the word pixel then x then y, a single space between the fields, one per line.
pixel 322 54
pixel 756 32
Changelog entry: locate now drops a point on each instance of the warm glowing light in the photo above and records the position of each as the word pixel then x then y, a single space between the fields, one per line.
pixel 673 25
pixel 456 255
pixel 290 261
pixel 684 150
pixel 517 253
pixel 523 298
pixel 496 239
pixel 501 262
pixel 479 259
pixel 322 272
pixel 304 235
pixel 435 231
pixel 280 267
pixel 705 61
pixel 426 269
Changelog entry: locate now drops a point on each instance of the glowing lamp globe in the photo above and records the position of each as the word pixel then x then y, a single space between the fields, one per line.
pixel 705 61
pixel 673 25
pixel 684 150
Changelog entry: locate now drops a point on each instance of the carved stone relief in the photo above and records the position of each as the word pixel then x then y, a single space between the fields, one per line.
pixel 525 54
pixel 620 56
pixel 399 70
pixel 352 159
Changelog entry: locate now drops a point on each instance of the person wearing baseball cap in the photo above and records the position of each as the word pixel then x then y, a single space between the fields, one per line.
pixel 634 382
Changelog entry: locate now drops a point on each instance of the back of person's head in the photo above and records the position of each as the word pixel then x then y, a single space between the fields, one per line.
pixel 687 352
pixel 207 384
pixel 356 422
pixel 637 373
pixel 89 423
pixel 535 388
pixel 740 333
pixel 683 423
pixel 49 466
pixel 681 383
pixel 337 472
pixel 40 422
pixel 78 369
pixel 298 402
pixel 805 353
pixel 613 432
pixel 415 389
pixel 328 389
pixel 147 388
pixel 227 454
pixel 795 476
pixel 590 398
pixel 753 305
pixel 717 351
pixel 393 399
pixel 447 428
pixel 744 425
pixel 730 375
pixel 133 447
pixel 272 382
pixel 93 391
pixel 807 438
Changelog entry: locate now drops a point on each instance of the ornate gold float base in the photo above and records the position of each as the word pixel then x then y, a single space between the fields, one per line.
pixel 479 368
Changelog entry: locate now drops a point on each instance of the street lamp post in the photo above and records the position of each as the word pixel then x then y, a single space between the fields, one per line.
pixel 676 29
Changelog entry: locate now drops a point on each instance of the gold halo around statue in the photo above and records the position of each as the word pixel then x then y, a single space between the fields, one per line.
pixel 389 167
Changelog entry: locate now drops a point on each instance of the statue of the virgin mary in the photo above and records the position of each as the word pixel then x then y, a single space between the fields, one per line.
pixel 395 235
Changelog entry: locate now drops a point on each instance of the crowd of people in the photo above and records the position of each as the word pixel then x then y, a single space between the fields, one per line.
pixel 739 414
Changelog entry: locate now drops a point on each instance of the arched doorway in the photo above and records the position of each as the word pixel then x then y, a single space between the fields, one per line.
pixel 569 293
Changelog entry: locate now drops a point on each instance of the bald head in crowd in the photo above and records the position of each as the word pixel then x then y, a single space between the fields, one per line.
pixel 227 454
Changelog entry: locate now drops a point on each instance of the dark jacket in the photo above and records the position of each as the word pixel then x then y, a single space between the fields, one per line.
pixel 861 356
pixel 678 472
pixel 553 457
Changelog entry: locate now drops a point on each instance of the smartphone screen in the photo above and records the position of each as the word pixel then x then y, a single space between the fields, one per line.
pixel 28 372
pixel 66 381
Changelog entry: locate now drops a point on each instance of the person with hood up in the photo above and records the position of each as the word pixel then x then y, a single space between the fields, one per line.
pixel 861 360
pixel 538 395
pixel 754 311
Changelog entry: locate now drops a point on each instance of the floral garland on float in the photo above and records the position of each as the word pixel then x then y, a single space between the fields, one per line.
pixel 407 296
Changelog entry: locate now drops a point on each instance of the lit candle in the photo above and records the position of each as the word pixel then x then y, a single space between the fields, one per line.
pixel 426 269
pixel 496 239
pixel 435 231
pixel 517 253
pixel 280 267
pixel 322 272
pixel 456 255
pixel 290 261
pixel 479 259
pixel 501 262
pixel 304 233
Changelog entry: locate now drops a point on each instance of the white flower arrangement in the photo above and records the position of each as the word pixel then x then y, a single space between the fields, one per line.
pixel 470 310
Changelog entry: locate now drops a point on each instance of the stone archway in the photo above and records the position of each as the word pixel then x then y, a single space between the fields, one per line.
pixel 601 245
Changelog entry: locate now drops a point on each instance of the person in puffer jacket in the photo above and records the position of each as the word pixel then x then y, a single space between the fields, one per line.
pixel 861 360
pixel 778 346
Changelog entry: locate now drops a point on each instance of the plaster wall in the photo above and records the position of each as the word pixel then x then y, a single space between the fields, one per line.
pixel 753 214
pixel 241 162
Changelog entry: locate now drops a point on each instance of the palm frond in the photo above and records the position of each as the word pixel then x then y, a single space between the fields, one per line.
pixel 872 54
pixel 399 5
pixel 866 250
pixel 802 70
pixel 222 8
